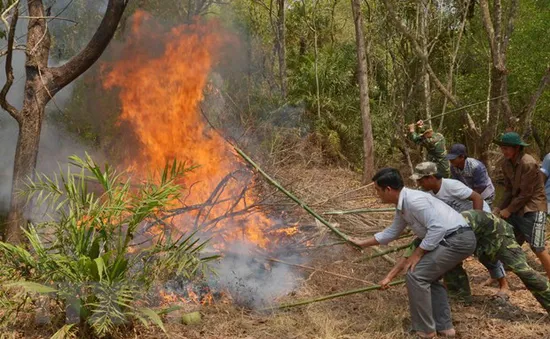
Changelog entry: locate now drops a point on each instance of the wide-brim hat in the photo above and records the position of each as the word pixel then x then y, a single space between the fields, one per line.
pixel 510 139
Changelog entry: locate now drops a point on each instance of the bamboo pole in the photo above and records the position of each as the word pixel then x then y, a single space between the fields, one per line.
pixel 381 253
pixel 332 296
pixel 291 196
pixel 360 210
pixel 318 270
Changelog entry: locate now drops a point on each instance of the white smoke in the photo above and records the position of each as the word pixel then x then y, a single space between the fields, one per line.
pixel 252 280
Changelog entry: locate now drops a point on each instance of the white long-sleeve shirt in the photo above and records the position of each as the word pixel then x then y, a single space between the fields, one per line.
pixel 429 218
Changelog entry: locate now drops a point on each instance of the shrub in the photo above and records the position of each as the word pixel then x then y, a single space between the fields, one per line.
pixel 85 254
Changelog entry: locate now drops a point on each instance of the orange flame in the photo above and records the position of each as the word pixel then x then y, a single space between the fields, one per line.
pixel 160 89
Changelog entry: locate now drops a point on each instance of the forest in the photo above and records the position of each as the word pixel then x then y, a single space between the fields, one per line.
pixel 196 168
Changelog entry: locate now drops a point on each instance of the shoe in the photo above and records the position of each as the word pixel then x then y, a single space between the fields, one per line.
pixel 447 333
pixel 425 335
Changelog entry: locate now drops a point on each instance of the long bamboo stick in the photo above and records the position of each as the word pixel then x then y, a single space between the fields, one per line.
pixel 332 296
pixel 291 196
pixel 379 254
pixel 360 210
pixel 318 270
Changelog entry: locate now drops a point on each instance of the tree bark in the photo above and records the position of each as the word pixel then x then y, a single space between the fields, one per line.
pixel 40 86
pixel 426 91
pixel 281 46
pixel 499 74
pixel 368 142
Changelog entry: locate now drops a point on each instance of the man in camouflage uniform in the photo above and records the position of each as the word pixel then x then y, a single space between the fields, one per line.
pixel 434 143
pixel 496 241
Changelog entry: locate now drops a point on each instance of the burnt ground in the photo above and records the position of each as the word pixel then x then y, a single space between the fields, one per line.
pixel 376 314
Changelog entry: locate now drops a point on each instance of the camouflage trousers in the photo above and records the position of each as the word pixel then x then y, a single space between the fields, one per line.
pixel 458 284
pixel 513 258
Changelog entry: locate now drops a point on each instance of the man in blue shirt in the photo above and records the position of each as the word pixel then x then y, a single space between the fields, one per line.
pixel 446 240
pixel 471 172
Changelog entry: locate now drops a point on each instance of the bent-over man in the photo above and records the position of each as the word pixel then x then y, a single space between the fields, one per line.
pixel 461 198
pixel 495 241
pixel 446 241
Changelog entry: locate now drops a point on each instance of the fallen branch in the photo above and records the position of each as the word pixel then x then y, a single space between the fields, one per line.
pixel 318 270
pixel 361 210
pixel 291 196
pixel 332 296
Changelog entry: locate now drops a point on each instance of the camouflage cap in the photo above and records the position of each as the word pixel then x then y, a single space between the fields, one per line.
pixel 424 169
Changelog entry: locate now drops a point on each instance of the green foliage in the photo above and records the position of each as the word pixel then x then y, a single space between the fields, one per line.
pixel 85 253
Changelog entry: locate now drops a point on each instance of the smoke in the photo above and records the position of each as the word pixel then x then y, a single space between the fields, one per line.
pixel 252 280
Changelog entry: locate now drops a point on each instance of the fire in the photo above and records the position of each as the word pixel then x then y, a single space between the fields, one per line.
pixel 160 78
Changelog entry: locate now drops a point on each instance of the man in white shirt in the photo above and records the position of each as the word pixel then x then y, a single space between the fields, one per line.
pixel 461 198
pixel 446 240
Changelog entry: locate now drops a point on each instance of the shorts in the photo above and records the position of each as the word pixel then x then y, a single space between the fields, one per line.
pixel 530 227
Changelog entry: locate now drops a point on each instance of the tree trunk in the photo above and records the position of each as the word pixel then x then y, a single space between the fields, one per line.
pixel 426 91
pixel 40 86
pixel 26 154
pixel 368 142
pixel 281 46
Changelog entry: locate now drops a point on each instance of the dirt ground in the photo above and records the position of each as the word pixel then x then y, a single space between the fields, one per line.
pixel 376 314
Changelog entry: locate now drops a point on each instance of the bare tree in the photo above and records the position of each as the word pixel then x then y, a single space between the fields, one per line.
pixel 498 36
pixel 368 142
pixel 42 83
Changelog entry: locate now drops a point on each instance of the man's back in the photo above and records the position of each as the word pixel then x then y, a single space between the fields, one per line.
pixel 475 176
pixel 457 195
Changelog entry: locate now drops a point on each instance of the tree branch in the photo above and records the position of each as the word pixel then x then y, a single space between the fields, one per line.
pixel 63 75
pixel 9 69
pixel 530 107
pixel 420 53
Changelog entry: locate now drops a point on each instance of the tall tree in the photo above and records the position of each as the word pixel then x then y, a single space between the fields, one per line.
pixel 42 83
pixel 368 142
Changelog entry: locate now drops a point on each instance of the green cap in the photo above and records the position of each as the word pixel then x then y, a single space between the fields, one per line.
pixel 510 139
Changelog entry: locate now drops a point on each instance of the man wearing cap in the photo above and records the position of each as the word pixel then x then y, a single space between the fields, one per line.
pixel 471 172
pixel 446 240
pixel 434 144
pixel 524 202
pixel 461 198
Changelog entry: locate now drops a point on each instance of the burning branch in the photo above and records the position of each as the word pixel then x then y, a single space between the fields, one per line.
pixel 291 196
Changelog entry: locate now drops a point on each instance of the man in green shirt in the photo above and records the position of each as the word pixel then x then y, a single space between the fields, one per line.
pixel 434 143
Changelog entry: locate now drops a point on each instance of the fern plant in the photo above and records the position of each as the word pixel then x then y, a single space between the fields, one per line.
pixel 85 252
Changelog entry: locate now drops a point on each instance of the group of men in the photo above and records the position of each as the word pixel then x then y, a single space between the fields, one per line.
pixel 453 219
